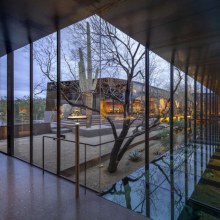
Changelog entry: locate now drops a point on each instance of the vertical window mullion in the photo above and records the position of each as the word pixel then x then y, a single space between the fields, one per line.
pixel 58 102
pixel 10 103
pixel 31 103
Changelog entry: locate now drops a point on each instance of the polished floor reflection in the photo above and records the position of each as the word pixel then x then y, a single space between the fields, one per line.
pixel 188 188
pixel 27 194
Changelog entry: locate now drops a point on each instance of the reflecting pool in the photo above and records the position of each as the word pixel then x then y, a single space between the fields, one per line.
pixel 185 188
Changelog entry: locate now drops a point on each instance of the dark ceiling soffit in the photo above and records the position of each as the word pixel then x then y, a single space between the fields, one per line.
pixel 29 26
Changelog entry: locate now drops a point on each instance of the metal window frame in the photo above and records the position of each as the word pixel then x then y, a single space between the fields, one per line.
pixel 31 103
pixel 186 131
pixel 10 104
pixel 171 132
pixel 194 127
pixel 201 125
pixel 206 122
pixel 58 102
pixel 147 144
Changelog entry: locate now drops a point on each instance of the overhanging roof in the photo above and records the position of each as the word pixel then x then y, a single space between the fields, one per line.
pixel 25 21
pixel 190 28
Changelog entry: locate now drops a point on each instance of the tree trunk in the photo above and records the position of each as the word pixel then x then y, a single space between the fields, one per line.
pixel 88 100
pixel 114 157
pixel 112 166
pixel 113 162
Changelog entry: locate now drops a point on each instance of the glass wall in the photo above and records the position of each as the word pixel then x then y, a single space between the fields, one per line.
pixel 3 104
pixel 179 108
pixel 99 81
pixel 209 132
pixel 123 104
pixel 45 102
pixel 111 95
pixel 190 105
pixel 159 106
pixel 80 102
pixel 22 103
pixel 198 108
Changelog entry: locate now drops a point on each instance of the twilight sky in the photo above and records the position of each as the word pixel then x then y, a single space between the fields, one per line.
pixel 21 69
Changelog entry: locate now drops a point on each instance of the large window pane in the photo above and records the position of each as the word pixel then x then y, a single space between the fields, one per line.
pixel 45 102
pixel 179 107
pixel 80 97
pixel 123 88
pixel 110 94
pixel 22 103
pixel 159 106
pixel 190 105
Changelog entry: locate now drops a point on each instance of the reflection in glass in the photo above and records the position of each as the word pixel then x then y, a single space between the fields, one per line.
pixel 98 84
pixel 22 103
pixel 45 101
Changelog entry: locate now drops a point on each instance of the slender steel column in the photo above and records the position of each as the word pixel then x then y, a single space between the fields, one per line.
pixel 201 124
pixel 171 132
pixel 147 103
pixel 195 108
pixel 10 103
pixel 171 107
pixel 77 168
pixel 212 134
pixel 217 118
pixel 213 119
pixel 186 127
pixel 201 111
pixel 185 134
pixel 217 131
pixel 206 113
pixel 147 146
pixel 58 101
pixel 214 122
pixel 194 130
pixel 31 103
pixel 186 105
pixel 210 123
pixel 206 123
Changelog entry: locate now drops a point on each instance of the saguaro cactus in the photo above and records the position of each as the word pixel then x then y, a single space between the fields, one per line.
pixel 86 82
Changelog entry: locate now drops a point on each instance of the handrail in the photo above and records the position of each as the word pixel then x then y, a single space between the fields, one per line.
pixel 85 145
pixel 92 145
pixel 55 138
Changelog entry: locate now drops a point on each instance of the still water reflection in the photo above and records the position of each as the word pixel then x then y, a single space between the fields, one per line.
pixel 160 194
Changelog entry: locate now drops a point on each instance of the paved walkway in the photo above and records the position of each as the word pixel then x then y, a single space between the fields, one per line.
pixel 27 194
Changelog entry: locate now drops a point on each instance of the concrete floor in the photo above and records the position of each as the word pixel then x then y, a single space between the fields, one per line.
pixel 28 194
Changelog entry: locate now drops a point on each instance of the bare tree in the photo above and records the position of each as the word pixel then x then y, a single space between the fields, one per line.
pixel 117 54
pixel 45 54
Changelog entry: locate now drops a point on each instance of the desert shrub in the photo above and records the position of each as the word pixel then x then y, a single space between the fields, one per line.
pixel 135 156
pixel 162 134
pixel 179 125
